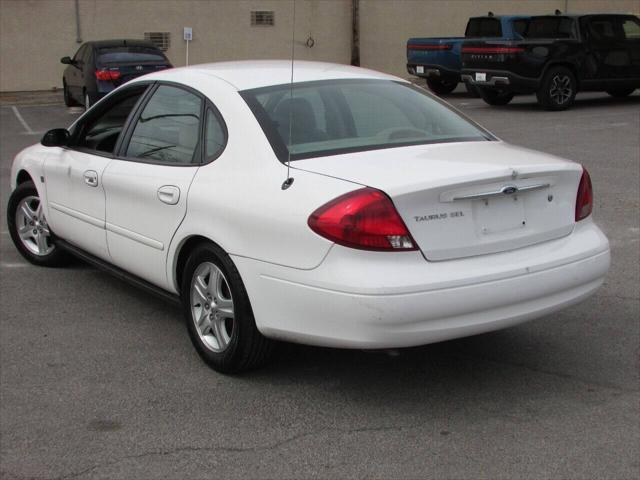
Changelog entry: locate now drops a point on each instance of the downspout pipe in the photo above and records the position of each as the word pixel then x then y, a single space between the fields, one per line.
pixel 78 36
pixel 355 33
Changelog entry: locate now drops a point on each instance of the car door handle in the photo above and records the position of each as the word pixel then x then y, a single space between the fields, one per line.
pixel 169 194
pixel 91 178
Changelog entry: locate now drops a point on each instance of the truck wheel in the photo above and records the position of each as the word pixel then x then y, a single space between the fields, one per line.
pixel 558 89
pixel 620 92
pixel 439 87
pixel 495 97
pixel 472 90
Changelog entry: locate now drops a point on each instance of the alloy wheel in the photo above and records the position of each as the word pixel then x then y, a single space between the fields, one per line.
pixel 212 307
pixel 560 90
pixel 32 227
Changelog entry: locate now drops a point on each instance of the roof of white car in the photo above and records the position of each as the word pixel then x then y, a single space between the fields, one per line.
pixel 249 74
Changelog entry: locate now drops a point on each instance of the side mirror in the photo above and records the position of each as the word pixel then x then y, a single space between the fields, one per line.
pixel 66 60
pixel 58 137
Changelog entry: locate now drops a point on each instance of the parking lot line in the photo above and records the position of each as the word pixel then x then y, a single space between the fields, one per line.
pixel 22 121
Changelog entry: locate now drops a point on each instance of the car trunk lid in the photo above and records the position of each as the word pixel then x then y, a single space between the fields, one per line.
pixel 466 199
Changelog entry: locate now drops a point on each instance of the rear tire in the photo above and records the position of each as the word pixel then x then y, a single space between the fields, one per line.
pixel 439 87
pixel 495 97
pixel 219 317
pixel 558 89
pixel 29 229
pixel 621 92
pixel 68 101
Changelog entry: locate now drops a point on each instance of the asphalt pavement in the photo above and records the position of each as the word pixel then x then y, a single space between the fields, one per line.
pixel 99 380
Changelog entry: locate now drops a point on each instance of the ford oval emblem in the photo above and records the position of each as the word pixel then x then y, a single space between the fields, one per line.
pixel 509 190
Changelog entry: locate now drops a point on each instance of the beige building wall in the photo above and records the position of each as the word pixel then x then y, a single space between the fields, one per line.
pixel 35 34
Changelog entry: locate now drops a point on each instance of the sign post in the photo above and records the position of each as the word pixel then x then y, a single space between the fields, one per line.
pixel 188 36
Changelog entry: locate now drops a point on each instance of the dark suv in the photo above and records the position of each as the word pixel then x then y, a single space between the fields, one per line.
pixel 558 56
pixel 99 67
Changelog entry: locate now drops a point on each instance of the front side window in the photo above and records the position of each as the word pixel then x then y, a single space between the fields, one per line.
pixel 80 53
pixel 631 28
pixel 168 129
pixel 339 116
pixel 101 130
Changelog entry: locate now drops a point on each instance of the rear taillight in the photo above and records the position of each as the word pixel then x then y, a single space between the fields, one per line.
pixel 490 50
pixel 430 47
pixel 365 219
pixel 584 200
pixel 107 74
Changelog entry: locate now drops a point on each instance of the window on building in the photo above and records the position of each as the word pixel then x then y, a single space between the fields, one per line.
pixel 262 17
pixel 159 39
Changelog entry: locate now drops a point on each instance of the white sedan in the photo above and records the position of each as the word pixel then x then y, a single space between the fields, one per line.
pixel 345 208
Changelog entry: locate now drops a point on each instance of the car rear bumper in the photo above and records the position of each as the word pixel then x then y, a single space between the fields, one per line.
pixel 434 71
pixel 360 299
pixel 502 79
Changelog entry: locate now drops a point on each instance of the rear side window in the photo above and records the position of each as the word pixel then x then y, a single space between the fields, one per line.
pixel 605 29
pixel 483 27
pixel 168 129
pixel 520 26
pixel 215 135
pixel 129 55
pixel 551 27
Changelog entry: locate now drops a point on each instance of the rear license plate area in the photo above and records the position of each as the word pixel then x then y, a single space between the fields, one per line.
pixel 481 77
pixel 495 215
pixel 420 69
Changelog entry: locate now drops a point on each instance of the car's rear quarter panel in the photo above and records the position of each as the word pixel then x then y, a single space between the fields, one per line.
pixel 237 201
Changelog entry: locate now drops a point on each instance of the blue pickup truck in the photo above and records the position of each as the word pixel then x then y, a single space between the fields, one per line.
pixel 439 59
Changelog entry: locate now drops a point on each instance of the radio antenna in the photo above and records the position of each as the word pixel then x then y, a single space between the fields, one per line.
pixel 287 183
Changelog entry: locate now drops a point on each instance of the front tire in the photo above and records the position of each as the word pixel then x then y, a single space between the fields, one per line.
pixel 495 97
pixel 621 92
pixel 29 229
pixel 219 317
pixel 440 87
pixel 558 89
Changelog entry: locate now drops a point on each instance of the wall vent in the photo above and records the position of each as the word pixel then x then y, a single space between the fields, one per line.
pixel 159 39
pixel 262 17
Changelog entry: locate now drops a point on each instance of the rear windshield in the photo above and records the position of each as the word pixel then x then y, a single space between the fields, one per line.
pixel 129 54
pixel 483 27
pixel 331 117
pixel 551 27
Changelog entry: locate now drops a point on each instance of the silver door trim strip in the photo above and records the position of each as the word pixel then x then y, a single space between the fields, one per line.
pixel 96 222
pixel 136 237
